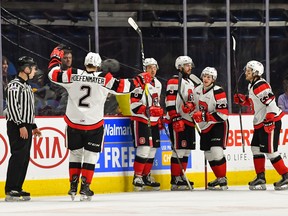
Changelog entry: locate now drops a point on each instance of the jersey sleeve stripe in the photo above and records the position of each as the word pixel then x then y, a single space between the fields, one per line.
pixel 259 87
pixel 220 95
pixel 56 75
pixel 108 77
pixel 171 97
pixel 173 81
pixel 121 86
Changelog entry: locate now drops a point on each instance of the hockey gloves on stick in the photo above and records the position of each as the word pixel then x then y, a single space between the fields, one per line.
pixel 269 124
pixel 142 79
pixel 202 116
pixel 188 107
pixel 156 111
pixel 178 124
pixel 199 116
pixel 241 99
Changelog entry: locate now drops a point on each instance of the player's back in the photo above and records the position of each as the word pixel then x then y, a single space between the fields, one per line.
pixel 86 98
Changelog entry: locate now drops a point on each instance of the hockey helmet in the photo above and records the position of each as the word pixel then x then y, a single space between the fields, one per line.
pixel 150 61
pixel 25 61
pixel 182 60
pixel 93 59
pixel 256 67
pixel 209 71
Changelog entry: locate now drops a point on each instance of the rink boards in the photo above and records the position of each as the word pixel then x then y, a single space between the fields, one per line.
pixel 48 169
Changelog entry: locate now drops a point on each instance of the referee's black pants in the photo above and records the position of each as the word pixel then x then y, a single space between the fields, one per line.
pixel 20 156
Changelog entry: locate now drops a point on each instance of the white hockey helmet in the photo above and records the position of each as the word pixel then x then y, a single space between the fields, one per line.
pixel 93 59
pixel 150 61
pixel 182 60
pixel 256 67
pixel 209 71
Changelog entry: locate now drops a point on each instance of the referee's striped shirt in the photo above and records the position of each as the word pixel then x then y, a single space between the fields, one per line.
pixel 20 102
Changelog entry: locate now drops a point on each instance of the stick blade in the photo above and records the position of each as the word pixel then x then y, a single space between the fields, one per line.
pixel 234 43
pixel 195 79
pixel 132 23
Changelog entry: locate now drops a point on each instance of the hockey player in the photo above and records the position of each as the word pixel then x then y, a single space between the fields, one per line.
pixel 87 90
pixel 212 117
pixel 146 114
pixel 179 106
pixel 267 125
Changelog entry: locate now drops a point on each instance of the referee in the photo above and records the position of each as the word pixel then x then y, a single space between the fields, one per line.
pixel 21 126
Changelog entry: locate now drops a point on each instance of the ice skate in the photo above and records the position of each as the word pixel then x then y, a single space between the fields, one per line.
pixel 138 183
pixel 177 184
pixel 85 192
pixel 73 187
pixel 218 184
pixel 259 183
pixel 184 180
pixel 282 184
pixel 15 196
pixel 150 183
pixel 24 195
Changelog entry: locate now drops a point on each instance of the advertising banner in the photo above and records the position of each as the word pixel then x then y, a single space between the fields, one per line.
pixel 49 155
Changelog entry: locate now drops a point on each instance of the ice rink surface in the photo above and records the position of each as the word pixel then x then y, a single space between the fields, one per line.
pixel 236 201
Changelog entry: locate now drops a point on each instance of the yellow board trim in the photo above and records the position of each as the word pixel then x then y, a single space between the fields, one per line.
pixel 117 184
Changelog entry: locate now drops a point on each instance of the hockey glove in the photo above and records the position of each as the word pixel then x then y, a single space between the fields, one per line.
pixel 241 99
pixel 199 116
pixel 269 124
pixel 143 79
pixel 58 52
pixel 160 124
pixel 178 124
pixel 156 111
pixel 188 107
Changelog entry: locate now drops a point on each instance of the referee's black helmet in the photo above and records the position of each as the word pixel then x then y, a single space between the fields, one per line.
pixel 25 61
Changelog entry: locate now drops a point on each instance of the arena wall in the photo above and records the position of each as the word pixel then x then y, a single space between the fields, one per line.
pixel 48 170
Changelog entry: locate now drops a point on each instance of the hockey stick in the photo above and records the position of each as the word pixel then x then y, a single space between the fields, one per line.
pixel 198 82
pixel 195 79
pixel 205 172
pixel 134 25
pixel 237 80
pixel 177 157
pixel 180 76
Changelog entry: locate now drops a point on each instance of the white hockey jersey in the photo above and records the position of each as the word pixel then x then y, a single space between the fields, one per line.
pixel 213 101
pixel 262 101
pixel 87 93
pixel 174 101
pixel 138 102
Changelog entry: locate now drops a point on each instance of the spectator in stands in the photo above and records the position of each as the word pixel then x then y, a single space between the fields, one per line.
pixel 5 78
pixel 45 97
pixel 5 71
pixel 283 98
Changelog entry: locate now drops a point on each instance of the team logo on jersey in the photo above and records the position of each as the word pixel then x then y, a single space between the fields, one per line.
pixel 184 143
pixel 142 140
pixel 190 95
pixel 155 99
